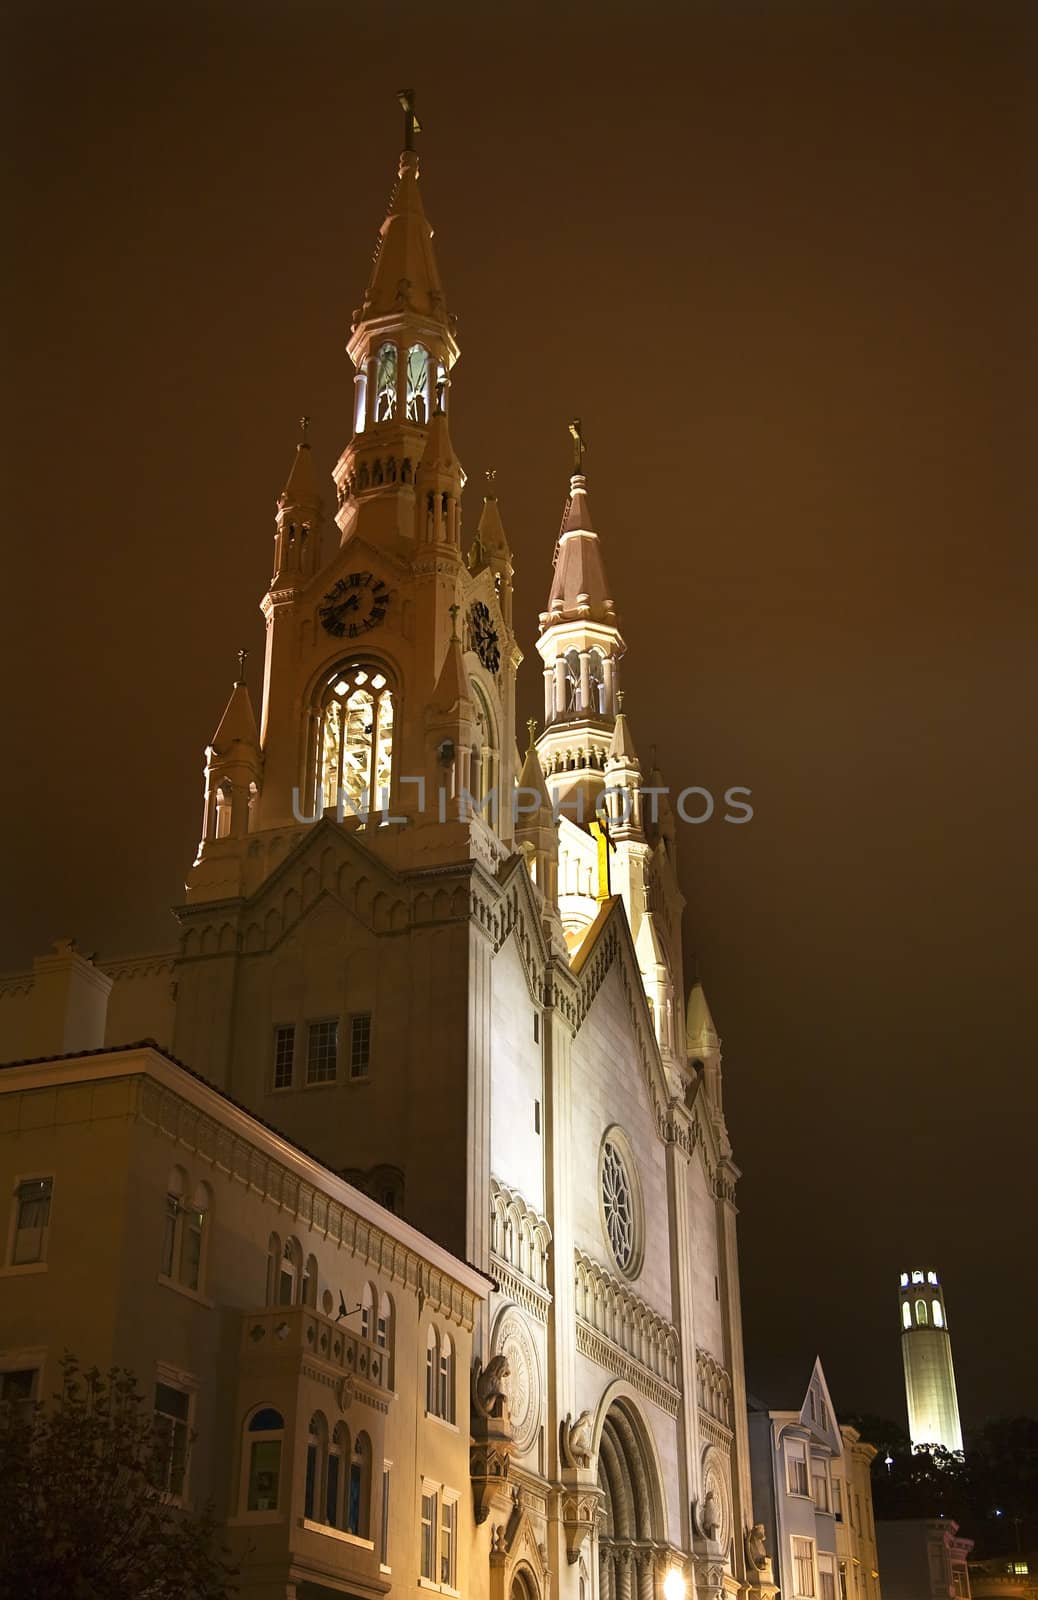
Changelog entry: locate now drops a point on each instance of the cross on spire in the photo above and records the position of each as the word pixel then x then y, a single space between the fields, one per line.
pixel 579 447
pixel 491 475
pixel 411 122
pixel 454 623
pixel 304 428
pixel 243 656
pixel 531 726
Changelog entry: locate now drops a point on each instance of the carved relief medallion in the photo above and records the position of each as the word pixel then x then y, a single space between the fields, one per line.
pixel 523 1384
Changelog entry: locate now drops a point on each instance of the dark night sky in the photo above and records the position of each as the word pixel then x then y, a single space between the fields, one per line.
pixel 781 259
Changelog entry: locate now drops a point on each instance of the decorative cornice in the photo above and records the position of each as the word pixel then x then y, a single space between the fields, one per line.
pixel 608 1355
pixel 624 1332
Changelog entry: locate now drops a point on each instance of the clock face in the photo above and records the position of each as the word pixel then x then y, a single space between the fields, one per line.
pixel 484 635
pixel 353 605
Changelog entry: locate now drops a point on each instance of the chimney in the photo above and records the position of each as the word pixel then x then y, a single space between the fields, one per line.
pixel 69 1002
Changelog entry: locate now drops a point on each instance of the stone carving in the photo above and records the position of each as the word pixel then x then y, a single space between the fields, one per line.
pixel 756 1547
pixel 489 1394
pixel 520 1377
pixel 576 1440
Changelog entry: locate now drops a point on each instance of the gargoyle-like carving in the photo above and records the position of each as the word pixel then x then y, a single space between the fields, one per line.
pixel 576 1439
pixel 756 1547
pixel 489 1396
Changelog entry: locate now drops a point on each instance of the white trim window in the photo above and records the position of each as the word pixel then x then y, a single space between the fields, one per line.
pixel 820 1484
pixel 383 1526
pixel 360 1044
pixel 429 1519
pixel 826 1577
pixel 803 1568
pixel 797 1481
pixel 32 1198
pixel 284 1055
pixel 448 1540
pixel 173 1438
pixel 838 1499
pixel 322 1050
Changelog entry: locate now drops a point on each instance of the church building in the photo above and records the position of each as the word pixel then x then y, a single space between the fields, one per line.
pixel 443 960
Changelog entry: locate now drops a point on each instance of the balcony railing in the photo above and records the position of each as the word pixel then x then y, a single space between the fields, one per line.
pixel 283 1335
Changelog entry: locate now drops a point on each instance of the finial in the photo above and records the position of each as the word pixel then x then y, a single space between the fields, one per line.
pixel 491 475
pixel 619 702
pixel 531 727
pixel 579 446
pixel 304 426
pixel 243 656
pixel 454 609
pixel 411 122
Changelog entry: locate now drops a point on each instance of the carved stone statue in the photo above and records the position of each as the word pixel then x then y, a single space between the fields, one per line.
pixel 711 1515
pixel 756 1547
pixel 577 1440
pixel 488 1388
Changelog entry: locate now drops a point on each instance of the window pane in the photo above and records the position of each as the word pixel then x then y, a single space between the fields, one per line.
pixel 264 1472
pixel 321 1052
pixel 332 1495
pixel 284 1056
pixel 360 1045
pixel 383 1553
pixel 171 1426
pixel 429 1537
pixel 311 1479
pixel 18 1390
pixel 33 1216
pixel 447 1542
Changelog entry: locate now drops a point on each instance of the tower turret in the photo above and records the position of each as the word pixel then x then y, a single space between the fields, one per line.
pixel 297 521
pixel 580 645
pixel 933 1406
pixel 233 777
pixel 402 343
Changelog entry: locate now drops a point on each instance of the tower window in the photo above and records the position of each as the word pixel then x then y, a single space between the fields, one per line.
pixel 906 1314
pixel 920 1313
pixel 938 1314
pixel 355 748
pixel 32 1220
pixel 385 383
pixel 417 384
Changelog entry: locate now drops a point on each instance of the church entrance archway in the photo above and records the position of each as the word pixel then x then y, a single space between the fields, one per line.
pixel 631 1529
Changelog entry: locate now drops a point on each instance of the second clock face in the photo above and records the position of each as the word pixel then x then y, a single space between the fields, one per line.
pixel 484 636
pixel 354 604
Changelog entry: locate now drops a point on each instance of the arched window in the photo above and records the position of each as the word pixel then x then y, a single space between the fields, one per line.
pixel 920 1313
pixel 596 681
pixel 906 1314
pixel 355 746
pixel 572 681
pixel 938 1314
pixel 385 383
pixel 432 1367
pixel 273 1269
pixel 445 1388
pixel 368 1302
pixel 224 807
pixel 266 1432
pixel 172 1226
pixel 316 1457
pixel 483 770
pixel 441 386
pixel 290 1279
pixel 359 1502
pixel 418 384
pixel 384 1336
pixel 196 1229
pixel 310 1282
pixel 338 1453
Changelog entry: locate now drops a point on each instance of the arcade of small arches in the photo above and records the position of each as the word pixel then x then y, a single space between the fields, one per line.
pixel 925 1315
pixel 401 381
pixel 581 683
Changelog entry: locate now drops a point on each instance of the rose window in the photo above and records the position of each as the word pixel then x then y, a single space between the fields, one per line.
pixel 618 1206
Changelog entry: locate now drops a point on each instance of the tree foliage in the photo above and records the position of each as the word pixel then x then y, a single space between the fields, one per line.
pixel 81 1514
pixel 991 1490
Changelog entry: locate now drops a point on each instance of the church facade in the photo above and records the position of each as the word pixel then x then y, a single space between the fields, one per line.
pixel 447 964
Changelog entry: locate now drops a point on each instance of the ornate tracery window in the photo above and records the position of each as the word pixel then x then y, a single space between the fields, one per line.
pixel 355 740
pixel 620 1200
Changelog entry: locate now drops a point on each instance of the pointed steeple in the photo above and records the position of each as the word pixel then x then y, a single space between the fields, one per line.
pixel 298 519
pixel 405 275
pixel 238 724
pixel 621 745
pixel 579 589
pixel 452 692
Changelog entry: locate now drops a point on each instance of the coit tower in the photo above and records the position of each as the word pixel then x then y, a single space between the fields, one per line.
pixel 933 1408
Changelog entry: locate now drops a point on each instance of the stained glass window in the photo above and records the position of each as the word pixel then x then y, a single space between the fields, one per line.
pixel 355 753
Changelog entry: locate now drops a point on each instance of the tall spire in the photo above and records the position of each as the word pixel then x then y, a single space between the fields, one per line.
pixel 579 587
pixel 404 275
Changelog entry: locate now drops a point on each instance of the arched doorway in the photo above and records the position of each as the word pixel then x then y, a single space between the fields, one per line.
pixel 523 1586
pixel 631 1526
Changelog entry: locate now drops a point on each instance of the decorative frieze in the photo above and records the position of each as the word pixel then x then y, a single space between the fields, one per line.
pixel 519 1243
pixel 713 1389
pixel 613 1310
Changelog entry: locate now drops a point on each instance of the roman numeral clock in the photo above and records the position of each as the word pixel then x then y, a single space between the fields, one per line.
pixel 355 604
